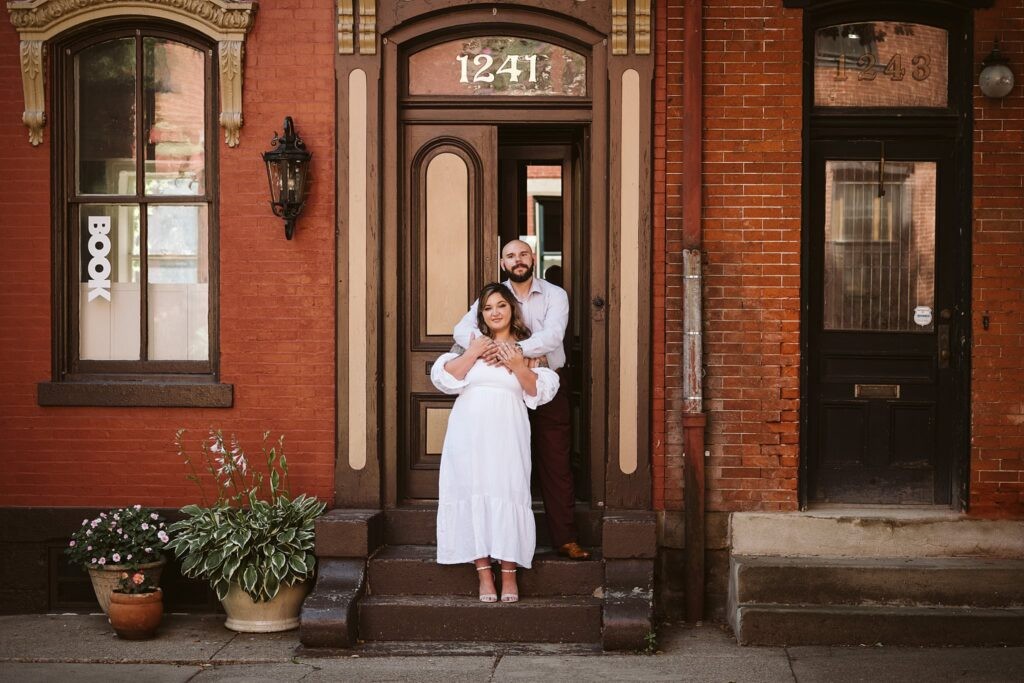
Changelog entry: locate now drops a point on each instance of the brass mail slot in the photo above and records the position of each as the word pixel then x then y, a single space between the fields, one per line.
pixel 876 390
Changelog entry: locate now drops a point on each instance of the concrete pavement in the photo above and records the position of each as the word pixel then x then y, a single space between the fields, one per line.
pixel 195 648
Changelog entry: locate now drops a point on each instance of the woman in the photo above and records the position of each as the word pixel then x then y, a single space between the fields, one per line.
pixel 484 508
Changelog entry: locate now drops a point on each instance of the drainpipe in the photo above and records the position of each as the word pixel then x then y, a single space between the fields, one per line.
pixel 694 418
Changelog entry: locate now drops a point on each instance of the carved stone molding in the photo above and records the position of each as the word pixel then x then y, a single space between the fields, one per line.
pixel 367 27
pixel 230 54
pixel 346 27
pixel 642 27
pixel 620 19
pixel 32 52
pixel 226 21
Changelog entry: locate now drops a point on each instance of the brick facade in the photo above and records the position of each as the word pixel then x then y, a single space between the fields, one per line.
pixel 997 381
pixel 277 300
pixel 752 179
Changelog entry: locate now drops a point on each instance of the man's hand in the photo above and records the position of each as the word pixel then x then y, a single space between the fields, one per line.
pixel 481 347
pixel 491 354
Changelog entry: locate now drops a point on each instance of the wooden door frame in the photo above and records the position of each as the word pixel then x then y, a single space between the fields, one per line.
pixel 953 124
pixel 430 30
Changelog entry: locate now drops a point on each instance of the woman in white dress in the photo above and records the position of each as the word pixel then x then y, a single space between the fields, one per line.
pixel 484 508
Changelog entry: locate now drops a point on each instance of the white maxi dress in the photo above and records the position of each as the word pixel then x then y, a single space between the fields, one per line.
pixel 484 505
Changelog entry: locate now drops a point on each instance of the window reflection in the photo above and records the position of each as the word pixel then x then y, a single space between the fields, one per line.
pixel 105 92
pixel 879 246
pixel 174 102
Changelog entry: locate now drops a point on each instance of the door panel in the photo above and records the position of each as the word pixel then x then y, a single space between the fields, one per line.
pixel 880 392
pixel 449 241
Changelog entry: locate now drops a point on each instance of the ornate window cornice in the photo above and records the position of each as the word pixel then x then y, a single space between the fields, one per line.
pixel 226 21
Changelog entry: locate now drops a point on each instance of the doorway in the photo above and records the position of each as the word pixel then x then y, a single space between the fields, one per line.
pixel 468 189
pixel 883 403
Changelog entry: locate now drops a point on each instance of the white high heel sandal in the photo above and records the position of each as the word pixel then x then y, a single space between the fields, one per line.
pixel 487 597
pixel 508 597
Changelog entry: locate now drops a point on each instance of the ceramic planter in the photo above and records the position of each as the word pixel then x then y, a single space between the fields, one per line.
pixel 279 614
pixel 105 578
pixel 136 616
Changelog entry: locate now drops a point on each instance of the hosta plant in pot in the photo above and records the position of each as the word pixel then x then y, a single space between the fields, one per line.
pixel 136 606
pixel 254 543
pixel 116 541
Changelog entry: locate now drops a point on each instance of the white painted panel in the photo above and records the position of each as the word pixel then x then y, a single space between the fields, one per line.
pixel 629 270
pixel 357 283
pixel 447 242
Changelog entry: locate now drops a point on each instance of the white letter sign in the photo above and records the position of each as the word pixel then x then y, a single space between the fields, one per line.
pixel 99 264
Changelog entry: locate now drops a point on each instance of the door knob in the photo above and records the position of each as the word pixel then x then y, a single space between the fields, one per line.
pixel 598 302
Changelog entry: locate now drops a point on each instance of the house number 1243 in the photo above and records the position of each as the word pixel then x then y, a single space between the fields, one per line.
pixel 510 66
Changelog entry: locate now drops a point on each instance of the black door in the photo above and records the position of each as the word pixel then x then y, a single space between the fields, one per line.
pixel 883 309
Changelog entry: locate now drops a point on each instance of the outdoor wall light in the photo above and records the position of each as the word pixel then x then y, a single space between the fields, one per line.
pixel 996 79
pixel 288 173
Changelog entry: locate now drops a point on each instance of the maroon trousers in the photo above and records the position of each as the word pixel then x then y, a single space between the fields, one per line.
pixel 551 443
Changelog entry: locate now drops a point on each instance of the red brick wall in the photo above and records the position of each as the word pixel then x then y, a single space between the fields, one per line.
pixel 277 299
pixel 752 176
pixel 667 93
pixel 997 384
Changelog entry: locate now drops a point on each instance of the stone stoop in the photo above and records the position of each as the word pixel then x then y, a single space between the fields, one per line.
pixel 892 584
pixel 396 592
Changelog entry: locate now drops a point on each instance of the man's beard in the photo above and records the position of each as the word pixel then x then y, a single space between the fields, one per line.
pixel 521 277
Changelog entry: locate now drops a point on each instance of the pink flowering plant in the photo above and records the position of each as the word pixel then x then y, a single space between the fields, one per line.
pixel 135 583
pixel 254 534
pixel 132 535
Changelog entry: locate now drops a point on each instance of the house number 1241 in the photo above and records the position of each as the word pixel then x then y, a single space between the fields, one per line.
pixel 510 66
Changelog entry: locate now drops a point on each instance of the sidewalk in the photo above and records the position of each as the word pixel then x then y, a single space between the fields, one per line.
pixel 83 648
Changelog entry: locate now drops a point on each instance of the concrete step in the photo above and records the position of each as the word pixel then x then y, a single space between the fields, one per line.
pixel 959 581
pixel 846 625
pixel 461 618
pixel 874 532
pixel 413 570
pixel 418 525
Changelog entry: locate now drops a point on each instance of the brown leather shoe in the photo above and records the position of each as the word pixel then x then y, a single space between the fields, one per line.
pixel 574 552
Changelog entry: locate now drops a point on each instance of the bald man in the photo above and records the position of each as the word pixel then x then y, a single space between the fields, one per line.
pixel 545 309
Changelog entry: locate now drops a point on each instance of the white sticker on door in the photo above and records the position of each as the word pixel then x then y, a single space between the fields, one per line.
pixel 923 315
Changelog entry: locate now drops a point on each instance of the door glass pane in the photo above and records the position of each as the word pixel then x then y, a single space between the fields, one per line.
pixel 544 219
pixel 108 290
pixel 174 104
pixel 447 267
pixel 881 64
pixel 879 250
pixel 179 267
pixel 105 97
pixel 497 65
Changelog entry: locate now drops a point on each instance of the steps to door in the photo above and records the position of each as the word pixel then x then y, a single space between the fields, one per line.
pixel 413 570
pixel 379 582
pixel 869 597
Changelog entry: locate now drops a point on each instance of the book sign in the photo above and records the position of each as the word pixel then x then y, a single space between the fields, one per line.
pixel 99 264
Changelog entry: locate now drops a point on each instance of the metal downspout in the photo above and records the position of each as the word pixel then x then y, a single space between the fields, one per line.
pixel 694 419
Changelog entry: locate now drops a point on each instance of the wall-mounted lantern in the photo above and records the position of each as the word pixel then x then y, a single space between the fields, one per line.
pixel 996 79
pixel 288 173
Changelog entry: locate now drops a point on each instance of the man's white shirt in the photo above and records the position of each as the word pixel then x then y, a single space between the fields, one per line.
pixel 545 311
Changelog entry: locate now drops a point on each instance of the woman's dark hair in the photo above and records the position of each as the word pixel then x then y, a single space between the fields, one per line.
pixel 518 329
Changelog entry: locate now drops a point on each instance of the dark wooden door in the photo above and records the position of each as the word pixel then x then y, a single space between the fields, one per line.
pixel 449 247
pixel 883 300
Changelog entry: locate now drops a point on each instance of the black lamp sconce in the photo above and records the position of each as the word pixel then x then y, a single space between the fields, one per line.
pixel 996 79
pixel 288 174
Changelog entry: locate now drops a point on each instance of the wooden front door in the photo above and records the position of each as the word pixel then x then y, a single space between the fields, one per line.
pixel 448 250
pixel 884 309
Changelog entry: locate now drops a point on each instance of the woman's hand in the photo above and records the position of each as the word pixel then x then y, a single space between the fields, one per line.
pixel 511 356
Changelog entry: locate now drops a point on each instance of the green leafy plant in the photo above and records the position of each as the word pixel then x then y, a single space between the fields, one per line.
pixel 135 583
pixel 131 535
pixel 255 534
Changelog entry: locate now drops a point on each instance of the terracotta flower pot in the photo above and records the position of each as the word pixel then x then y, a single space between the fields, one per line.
pixel 279 614
pixel 105 578
pixel 136 616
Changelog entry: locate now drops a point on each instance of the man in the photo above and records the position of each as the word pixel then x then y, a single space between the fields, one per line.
pixel 545 309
